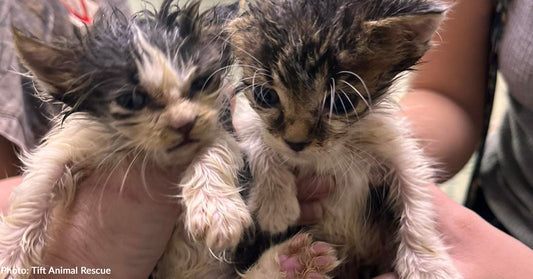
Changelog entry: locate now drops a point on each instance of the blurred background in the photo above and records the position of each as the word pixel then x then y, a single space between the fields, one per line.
pixel 457 186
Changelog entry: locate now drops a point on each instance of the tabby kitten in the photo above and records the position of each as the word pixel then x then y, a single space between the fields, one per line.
pixel 320 76
pixel 148 89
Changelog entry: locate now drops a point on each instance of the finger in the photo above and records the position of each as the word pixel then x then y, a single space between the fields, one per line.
pixel 387 276
pixel 439 197
pixel 314 188
pixel 311 213
pixel 6 186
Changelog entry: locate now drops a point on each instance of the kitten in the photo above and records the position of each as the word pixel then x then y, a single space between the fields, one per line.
pixel 320 76
pixel 147 89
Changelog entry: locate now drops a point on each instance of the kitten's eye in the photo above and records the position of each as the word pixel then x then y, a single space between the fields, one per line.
pixel 265 97
pixel 200 84
pixel 133 101
pixel 343 103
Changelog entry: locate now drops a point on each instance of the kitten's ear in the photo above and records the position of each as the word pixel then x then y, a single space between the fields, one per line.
pixel 251 42
pixel 53 67
pixel 415 28
pixel 405 35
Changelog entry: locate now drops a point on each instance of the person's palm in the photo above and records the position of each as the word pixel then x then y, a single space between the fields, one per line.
pixel 122 226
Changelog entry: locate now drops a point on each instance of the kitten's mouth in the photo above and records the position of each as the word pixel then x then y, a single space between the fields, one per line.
pixel 184 142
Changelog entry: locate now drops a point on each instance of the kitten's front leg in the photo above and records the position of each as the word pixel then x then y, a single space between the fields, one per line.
pixel 421 251
pixel 273 196
pixel 215 210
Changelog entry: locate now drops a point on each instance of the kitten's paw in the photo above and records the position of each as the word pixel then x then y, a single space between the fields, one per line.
pixel 277 216
pixel 303 258
pixel 219 222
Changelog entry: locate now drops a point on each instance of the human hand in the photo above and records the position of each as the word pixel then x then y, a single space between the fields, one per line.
pixel 311 191
pixel 6 187
pixel 478 250
pixel 124 230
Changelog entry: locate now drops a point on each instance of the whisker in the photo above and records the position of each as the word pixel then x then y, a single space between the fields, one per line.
pixel 143 177
pixel 128 171
pixel 243 50
pixel 358 93
pixel 351 104
pixel 342 102
pixel 331 101
pixel 362 82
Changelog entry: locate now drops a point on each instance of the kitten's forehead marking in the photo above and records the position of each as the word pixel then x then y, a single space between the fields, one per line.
pixel 156 71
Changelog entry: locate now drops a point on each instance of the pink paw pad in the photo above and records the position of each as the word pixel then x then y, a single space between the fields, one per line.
pixel 305 259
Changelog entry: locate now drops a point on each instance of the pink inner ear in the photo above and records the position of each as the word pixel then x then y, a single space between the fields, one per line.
pixel 78 8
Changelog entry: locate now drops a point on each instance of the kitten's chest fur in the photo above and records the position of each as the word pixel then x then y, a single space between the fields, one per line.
pixel 356 215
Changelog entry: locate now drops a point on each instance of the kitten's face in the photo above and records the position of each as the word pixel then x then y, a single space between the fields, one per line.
pixel 314 69
pixel 154 79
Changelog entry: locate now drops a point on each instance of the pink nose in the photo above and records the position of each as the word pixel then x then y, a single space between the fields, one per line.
pixel 183 126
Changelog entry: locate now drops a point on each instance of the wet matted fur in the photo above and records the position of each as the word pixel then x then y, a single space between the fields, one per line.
pixel 147 89
pixel 319 80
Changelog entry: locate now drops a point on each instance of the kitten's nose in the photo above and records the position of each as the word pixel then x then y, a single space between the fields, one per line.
pixel 297 146
pixel 184 126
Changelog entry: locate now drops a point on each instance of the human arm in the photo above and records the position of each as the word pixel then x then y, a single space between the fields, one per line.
pixel 478 249
pixel 445 105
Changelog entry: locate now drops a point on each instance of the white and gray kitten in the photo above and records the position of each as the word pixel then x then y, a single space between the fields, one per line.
pixel 320 78
pixel 145 89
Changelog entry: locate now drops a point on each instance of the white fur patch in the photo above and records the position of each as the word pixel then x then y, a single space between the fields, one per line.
pixel 156 71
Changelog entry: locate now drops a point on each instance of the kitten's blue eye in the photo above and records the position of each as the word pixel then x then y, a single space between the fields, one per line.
pixel 265 97
pixel 342 104
pixel 133 101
